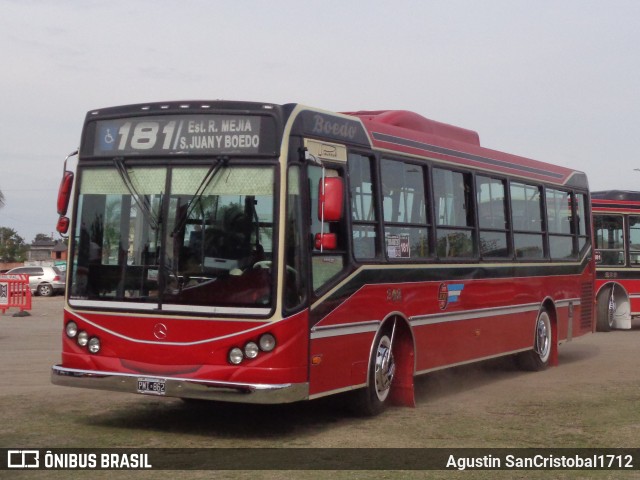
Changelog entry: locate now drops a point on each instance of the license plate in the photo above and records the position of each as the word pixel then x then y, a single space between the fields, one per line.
pixel 151 386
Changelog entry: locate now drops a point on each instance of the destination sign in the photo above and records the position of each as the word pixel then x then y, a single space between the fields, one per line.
pixel 187 134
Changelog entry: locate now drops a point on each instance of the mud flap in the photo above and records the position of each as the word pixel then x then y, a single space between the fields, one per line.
pixel 402 389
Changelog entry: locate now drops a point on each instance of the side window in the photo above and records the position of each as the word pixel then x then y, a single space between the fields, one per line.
pixel 634 240
pixel 559 217
pixel 35 272
pixel 454 214
pixel 406 231
pixel 526 211
pixel 609 237
pixel 296 269
pixel 363 208
pixel 492 217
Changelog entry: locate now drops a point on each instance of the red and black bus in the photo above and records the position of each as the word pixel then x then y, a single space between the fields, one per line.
pixel 616 224
pixel 267 253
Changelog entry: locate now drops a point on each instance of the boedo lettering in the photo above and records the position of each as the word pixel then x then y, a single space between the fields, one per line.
pixel 241 141
pixel 336 128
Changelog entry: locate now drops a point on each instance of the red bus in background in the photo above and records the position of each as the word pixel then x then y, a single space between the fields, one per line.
pixel 267 253
pixel 616 224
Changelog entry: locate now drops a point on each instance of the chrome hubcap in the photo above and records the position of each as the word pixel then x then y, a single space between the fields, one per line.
pixel 543 337
pixel 385 368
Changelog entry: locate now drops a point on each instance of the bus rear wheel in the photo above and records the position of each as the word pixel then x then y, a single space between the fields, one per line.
pixel 538 358
pixel 371 400
pixel 606 310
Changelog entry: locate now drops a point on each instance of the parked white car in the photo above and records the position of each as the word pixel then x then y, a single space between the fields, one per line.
pixel 43 281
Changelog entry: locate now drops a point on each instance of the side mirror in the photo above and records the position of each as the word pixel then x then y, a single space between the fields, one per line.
pixel 330 199
pixel 63 225
pixel 326 241
pixel 64 192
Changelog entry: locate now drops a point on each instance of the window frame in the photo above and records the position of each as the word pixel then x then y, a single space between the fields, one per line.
pixel 507 230
pixel 468 178
pixel 375 224
pixel 427 224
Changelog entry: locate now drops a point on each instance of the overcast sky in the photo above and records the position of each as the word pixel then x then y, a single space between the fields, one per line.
pixel 554 80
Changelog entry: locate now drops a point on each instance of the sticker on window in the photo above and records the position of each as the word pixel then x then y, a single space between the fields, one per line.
pixel 398 246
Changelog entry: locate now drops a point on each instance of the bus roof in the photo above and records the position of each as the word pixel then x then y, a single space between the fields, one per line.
pixel 399 131
pixel 620 195
pixel 615 201
pixel 414 121
pixel 411 133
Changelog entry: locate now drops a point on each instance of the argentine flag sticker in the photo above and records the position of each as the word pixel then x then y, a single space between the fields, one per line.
pixel 455 290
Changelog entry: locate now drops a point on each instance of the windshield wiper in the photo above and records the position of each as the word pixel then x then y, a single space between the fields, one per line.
pixel 208 178
pixel 142 203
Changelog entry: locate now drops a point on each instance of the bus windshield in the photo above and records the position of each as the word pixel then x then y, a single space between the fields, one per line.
pixel 188 238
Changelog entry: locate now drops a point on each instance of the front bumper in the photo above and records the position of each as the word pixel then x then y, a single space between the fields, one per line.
pixel 182 387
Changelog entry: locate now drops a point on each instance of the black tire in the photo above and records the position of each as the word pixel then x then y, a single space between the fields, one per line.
pixel 606 310
pixel 538 358
pixel 372 399
pixel 45 290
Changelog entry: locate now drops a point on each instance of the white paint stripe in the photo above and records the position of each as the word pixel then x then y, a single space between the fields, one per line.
pixel 344 329
pixel 431 319
pixel 434 318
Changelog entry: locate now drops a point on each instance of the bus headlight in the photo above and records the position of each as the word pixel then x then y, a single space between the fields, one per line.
pixel 71 329
pixel 251 350
pixel 94 345
pixel 235 356
pixel 267 342
pixel 83 338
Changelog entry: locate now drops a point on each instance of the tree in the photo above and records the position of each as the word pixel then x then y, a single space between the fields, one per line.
pixel 12 246
pixel 43 237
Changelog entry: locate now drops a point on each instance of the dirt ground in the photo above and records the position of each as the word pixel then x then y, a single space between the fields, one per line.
pixel 590 400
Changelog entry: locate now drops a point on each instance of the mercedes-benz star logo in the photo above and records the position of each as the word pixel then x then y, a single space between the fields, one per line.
pixel 160 331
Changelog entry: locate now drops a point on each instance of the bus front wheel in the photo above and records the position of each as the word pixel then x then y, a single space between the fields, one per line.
pixel 371 400
pixel 538 358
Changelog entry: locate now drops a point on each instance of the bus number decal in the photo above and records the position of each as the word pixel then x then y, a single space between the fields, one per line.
pixel 394 295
